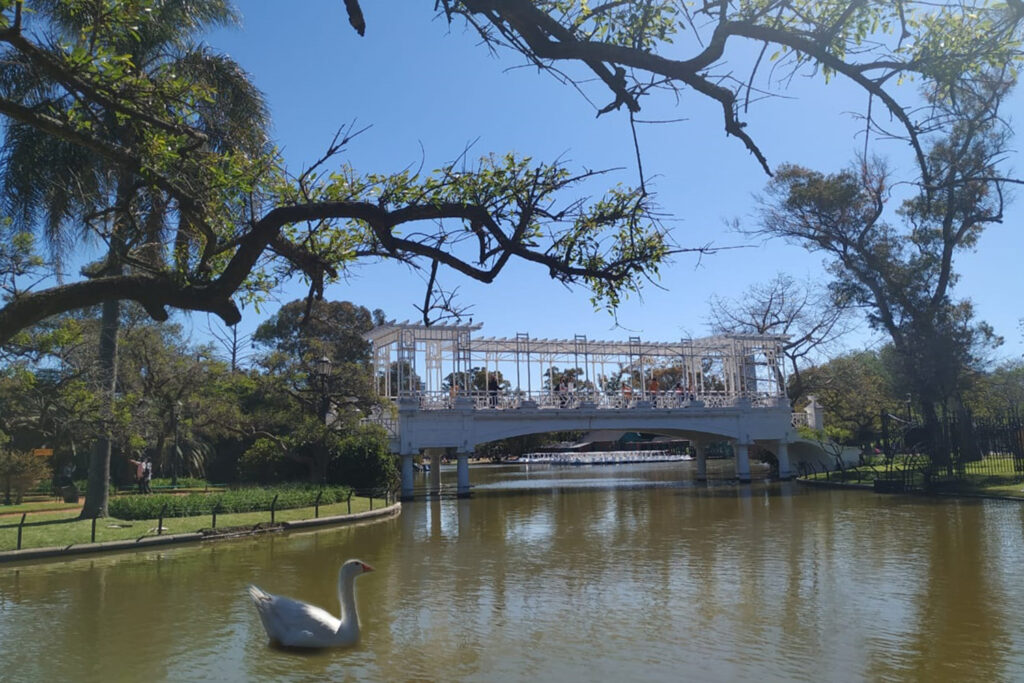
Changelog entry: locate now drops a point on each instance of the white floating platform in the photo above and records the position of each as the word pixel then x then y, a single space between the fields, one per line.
pixel 601 458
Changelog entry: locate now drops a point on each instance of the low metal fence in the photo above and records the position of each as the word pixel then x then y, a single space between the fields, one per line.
pixel 958 454
pixel 378 498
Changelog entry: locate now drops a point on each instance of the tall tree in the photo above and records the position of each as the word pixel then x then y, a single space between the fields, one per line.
pixel 74 193
pixel 902 272
pixel 173 387
pixel 318 382
pixel 809 317
pixel 303 332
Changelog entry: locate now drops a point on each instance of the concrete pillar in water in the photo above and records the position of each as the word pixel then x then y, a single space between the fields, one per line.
pixel 463 475
pixel 407 476
pixel 782 453
pixel 742 462
pixel 702 461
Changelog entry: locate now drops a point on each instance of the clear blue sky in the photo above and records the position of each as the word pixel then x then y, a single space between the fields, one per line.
pixel 428 91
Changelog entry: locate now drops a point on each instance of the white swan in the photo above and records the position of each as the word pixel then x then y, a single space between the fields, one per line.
pixel 292 623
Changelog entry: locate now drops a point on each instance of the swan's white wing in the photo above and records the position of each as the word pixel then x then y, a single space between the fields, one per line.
pixel 294 623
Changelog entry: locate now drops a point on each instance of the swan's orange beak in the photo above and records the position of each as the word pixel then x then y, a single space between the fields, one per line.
pixel 366 567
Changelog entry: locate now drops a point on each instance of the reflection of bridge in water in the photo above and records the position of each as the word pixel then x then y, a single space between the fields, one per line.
pixel 451 392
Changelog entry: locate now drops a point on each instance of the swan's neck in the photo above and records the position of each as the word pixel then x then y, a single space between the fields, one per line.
pixel 347 597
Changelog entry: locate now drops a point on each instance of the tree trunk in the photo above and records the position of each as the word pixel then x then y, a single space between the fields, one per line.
pixel 159 459
pixel 936 446
pixel 97 491
pixel 967 440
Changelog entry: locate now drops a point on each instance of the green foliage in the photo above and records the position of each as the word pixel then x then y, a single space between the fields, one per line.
pixel 478 379
pixel 608 244
pixel 638 49
pixel 309 329
pixel 20 472
pixel 902 273
pixel 18 258
pixel 997 392
pixel 183 482
pixel 265 462
pixel 831 439
pixel 854 389
pixel 644 25
pixel 829 433
pixel 362 460
pixel 240 500
pixel 300 334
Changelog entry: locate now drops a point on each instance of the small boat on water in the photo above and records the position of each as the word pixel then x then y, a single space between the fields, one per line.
pixel 602 458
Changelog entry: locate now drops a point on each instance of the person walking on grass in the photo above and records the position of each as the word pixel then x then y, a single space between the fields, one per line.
pixel 143 474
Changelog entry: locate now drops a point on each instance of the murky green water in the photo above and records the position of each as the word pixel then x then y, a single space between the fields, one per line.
pixel 609 573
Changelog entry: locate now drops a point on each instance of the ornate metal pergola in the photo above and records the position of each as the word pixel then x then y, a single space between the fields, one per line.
pixel 436 364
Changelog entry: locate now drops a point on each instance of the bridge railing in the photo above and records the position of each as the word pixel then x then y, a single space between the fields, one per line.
pixel 511 400
pixel 389 423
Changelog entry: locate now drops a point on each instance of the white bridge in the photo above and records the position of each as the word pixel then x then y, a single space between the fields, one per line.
pixel 450 392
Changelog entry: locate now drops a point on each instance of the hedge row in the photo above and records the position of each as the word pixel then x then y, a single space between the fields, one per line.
pixel 239 500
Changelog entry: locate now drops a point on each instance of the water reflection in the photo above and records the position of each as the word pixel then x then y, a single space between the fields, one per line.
pixel 621 574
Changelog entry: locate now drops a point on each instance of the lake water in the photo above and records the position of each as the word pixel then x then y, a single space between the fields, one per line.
pixel 588 573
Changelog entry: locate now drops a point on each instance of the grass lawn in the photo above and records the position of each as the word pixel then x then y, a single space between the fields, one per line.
pixel 31 506
pixel 1001 485
pixel 62 528
pixel 1011 490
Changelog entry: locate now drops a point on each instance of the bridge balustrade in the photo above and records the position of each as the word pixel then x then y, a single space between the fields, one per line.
pixel 512 400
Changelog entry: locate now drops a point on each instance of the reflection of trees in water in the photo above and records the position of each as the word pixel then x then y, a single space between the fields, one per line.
pixel 959 627
pixel 748 576
pixel 137 609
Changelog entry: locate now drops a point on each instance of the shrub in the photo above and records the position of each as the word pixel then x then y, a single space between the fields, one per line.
pixel 19 473
pixel 362 461
pixel 264 463
pixel 239 500
pixel 183 483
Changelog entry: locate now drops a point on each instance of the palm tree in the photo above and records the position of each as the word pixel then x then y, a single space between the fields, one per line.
pixel 68 193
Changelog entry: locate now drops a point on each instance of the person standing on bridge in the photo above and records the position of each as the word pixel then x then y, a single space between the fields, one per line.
pixel 652 388
pixel 492 391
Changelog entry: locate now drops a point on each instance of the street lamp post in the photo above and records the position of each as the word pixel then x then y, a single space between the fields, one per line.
pixel 323 373
pixel 176 454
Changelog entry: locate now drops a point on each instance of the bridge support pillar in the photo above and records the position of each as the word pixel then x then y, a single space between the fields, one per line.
pixel 743 462
pixel 407 475
pixel 782 453
pixel 702 461
pixel 463 475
